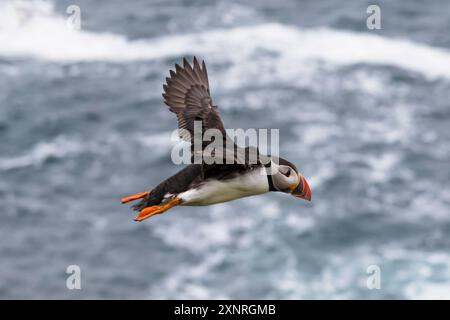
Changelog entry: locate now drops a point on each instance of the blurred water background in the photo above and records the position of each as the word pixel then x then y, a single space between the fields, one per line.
pixel 364 114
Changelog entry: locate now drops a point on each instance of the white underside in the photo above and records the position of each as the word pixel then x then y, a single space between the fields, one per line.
pixel 216 191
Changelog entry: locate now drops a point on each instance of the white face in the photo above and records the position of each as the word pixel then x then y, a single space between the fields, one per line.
pixel 286 179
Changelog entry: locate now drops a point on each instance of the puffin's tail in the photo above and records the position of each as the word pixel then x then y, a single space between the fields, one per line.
pixel 150 204
pixel 144 203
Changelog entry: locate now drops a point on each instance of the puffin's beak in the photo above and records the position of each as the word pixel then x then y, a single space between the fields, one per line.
pixel 302 190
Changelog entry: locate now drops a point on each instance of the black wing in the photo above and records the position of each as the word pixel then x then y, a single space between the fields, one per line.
pixel 187 95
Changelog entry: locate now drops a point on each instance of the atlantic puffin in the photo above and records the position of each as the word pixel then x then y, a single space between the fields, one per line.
pixel 187 94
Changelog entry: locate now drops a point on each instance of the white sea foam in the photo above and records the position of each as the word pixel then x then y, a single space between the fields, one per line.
pixel 33 29
pixel 221 227
pixel 410 274
pixel 62 147
pixel 57 148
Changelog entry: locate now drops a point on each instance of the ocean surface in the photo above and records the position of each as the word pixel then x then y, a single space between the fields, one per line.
pixel 364 114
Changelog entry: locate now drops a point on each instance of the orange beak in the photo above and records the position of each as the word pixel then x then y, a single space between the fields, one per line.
pixel 302 190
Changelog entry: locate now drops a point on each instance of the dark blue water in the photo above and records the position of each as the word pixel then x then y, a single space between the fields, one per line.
pixel 364 115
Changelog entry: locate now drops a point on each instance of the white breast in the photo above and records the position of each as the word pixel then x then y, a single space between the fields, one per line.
pixel 215 191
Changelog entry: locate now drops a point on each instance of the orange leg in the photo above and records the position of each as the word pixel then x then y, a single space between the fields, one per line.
pixel 135 197
pixel 151 211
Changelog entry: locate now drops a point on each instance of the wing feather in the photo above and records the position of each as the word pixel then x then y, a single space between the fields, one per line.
pixel 187 94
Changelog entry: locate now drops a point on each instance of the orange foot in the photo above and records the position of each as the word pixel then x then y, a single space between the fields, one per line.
pixel 135 197
pixel 151 211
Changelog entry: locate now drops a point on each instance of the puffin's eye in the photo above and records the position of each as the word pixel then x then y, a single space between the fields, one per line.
pixel 288 173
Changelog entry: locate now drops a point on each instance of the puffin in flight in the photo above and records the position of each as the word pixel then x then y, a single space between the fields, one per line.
pixel 204 183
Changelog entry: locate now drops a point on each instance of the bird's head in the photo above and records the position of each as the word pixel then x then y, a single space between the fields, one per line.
pixel 287 179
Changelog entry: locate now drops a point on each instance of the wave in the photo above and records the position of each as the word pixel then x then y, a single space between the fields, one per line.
pixel 58 148
pixel 33 29
pixel 63 147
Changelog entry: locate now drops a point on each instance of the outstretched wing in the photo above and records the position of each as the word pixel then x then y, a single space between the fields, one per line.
pixel 187 95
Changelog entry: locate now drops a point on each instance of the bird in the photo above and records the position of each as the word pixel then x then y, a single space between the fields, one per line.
pixel 202 183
